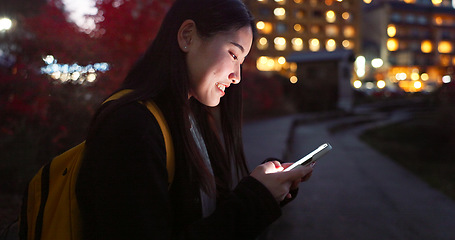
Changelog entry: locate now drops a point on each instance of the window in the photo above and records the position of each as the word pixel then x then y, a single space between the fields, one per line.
pixel 297 44
pixel 330 16
pixel 314 44
pixel 281 28
pixel 349 31
pixel 391 30
pixel 264 27
pixel 392 44
pixel 348 44
pixel 330 45
pixel 299 13
pixel 445 47
pixel 280 13
pixel 299 28
pixel 331 30
pixel 263 43
pixel 280 43
pixel 395 17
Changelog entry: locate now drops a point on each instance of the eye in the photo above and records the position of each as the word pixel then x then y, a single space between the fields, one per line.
pixel 233 56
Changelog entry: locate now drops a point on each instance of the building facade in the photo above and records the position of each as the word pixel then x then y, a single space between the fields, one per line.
pixel 289 26
pixel 414 39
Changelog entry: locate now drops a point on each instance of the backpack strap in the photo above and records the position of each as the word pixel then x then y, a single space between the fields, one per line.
pixel 155 110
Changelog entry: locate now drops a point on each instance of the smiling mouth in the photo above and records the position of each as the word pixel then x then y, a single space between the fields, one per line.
pixel 221 87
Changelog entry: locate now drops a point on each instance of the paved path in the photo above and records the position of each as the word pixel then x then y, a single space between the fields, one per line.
pixel 355 192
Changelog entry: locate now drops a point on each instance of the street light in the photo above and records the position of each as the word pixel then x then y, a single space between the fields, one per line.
pixel 5 24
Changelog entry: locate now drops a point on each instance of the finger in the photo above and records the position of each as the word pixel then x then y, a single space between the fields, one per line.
pixel 295 184
pixel 307 177
pixel 272 167
pixel 298 173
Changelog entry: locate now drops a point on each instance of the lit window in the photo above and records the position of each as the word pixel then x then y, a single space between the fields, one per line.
pixel 297 44
pixel 424 76
pixel 438 20
pixel 426 46
pixel 445 47
pixel 367 1
pixel 282 2
pixel 298 1
pixel 391 30
pixel 330 16
pixel 349 31
pixel 260 25
pixel 280 13
pixel 380 84
pixel 281 60
pixel 331 30
pixel 263 43
pixel 328 2
pixel 315 29
pixel 357 83
pixel 348 44
pixel 330 45
pixel 436 2
pixel 392 44
pixel 265 64
pixel 264 27
pixel 293 79
pixel 410 1
pixel 299 14
pixel 346 16
pixel 298 28
pixel 280 43
pixel 314 44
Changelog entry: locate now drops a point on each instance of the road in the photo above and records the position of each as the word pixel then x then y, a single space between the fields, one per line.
pixel 355 192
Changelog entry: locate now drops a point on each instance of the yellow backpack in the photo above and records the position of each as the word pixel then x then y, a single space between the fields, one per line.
pixel 50 209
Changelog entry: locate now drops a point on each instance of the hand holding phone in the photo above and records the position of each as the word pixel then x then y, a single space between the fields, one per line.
pixel 311 157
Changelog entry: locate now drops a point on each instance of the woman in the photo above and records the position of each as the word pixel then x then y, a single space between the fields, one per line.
pixel 192 65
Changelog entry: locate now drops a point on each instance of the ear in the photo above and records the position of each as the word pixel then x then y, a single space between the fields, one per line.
pixel 187 32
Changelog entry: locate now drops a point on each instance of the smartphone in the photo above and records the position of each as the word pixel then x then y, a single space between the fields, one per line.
pixel 311 157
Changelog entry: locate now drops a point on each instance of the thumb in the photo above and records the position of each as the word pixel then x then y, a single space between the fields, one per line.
pixel 272 167
pixel 298 173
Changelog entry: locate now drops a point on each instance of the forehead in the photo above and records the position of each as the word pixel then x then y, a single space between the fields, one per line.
pixel 241 38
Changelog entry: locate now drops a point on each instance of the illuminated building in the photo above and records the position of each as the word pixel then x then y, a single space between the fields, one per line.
pixel 414 38
pixel 302 39
pixel 288 26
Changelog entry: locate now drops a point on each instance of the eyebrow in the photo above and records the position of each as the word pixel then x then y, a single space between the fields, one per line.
pixel 239 46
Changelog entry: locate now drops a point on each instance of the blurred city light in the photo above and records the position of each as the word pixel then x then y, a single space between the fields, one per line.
pixel 424 76
pixel 293 79
pixel 369 85
pixel 377 63
pixel 357 84
pixel 5 24
pixel 446 79
pixel 75 73
pixel 360 66
pixel 380 84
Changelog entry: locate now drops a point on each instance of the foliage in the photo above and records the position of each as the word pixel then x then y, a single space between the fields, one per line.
pixel 42 117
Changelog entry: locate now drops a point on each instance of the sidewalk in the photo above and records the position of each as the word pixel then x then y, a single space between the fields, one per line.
pixel 354 193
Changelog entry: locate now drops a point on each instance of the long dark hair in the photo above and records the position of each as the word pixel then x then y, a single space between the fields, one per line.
pixel 161 75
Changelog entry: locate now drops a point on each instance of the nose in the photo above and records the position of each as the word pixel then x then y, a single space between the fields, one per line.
pixel 235 75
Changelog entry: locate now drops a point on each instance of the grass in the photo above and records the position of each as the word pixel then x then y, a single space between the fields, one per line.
pixel 425 145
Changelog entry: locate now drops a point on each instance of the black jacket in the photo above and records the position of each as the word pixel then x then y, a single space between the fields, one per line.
pixel 122 189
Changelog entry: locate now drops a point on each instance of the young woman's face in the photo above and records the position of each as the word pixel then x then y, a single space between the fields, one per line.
pixel 214 64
